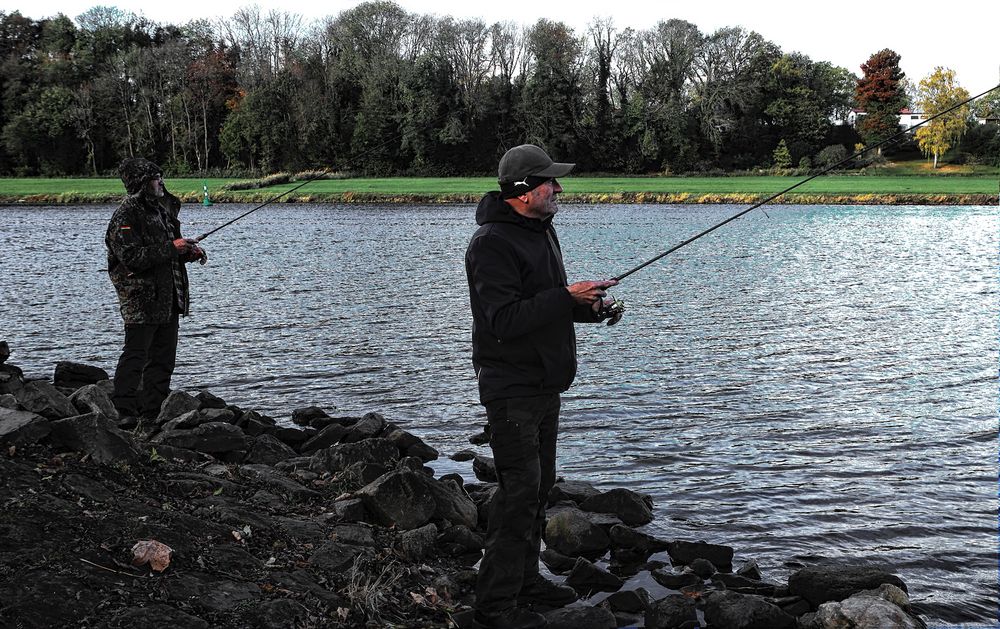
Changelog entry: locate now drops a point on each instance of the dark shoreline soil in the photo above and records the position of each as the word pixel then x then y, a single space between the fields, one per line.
pixel 336 522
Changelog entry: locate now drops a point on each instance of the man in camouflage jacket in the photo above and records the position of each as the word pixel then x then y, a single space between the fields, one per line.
pixel 146 258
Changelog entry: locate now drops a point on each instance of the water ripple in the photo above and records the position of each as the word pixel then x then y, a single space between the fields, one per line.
pixel 819 385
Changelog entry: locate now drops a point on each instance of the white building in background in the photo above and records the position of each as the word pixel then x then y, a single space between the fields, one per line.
pixel 907 118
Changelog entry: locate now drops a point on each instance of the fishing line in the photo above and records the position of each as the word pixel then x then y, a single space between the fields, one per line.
pixel 792 187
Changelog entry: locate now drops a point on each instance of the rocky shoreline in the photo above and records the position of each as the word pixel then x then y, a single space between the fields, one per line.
pixel 218 516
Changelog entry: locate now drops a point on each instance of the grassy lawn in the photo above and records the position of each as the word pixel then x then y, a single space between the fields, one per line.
pixel 835 184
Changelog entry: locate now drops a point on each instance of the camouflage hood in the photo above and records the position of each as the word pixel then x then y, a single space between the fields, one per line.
pixel 136 171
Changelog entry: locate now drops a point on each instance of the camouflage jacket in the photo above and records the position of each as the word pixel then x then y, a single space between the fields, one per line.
pixel 140 255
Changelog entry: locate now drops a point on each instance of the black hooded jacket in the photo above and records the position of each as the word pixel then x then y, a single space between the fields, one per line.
pixel 523 342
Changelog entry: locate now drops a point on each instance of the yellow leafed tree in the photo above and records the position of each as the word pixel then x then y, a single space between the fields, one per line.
pixel 938 92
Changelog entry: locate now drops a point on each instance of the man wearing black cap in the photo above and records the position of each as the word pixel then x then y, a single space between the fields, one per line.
pixel 146 258
pixel 524 355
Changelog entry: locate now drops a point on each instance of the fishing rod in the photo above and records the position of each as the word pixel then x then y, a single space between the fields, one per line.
pixel 265 203
pixel 789 189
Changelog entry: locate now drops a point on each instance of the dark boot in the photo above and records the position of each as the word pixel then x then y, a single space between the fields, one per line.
pixel 510 618
pixel 541 591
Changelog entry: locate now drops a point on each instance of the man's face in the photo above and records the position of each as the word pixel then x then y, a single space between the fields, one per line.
pixel 155 186
pixel 542 200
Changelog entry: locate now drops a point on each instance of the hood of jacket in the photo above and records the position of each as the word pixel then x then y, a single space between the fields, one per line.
pixel 493 209
pixel 136 171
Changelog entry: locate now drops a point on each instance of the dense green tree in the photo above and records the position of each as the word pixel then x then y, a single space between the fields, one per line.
pixel 552 102
pixel 377 90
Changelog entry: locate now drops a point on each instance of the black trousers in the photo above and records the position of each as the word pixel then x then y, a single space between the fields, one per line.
pixel 142 377
pixel 523 438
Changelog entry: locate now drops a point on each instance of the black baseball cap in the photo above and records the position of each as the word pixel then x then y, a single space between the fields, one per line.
pixel 528 160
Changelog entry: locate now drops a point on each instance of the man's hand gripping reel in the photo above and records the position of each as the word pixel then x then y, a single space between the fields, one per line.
pixel 612 310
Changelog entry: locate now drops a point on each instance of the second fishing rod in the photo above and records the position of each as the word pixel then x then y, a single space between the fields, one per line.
pixel 619 306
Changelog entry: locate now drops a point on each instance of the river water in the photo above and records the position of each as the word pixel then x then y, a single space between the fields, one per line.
pixel 818 384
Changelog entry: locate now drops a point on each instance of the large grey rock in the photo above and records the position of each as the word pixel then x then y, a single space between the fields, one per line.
pixel 339 457
pixel 175 405
pixel 409 444
pixel 358 475
pixel 626 537
pixel 97 436
pixel 369 426
pixel 423 452
pixel 11 379
pixel 91 398
pixel 819 584
pixel 633 508
pixel 266 449
pixel 410 499
pixel 401 438
pixel 743 611
pixel 417 544
pixel 76 375
pixel 574 491
pixel 632 601
pixel 606 521
pixel 452 503
pixel 871 609
pixel 484 468
pixel 193 419
pixel 684 552
pixel 460 539
pixel 674 580
pixel 331 435
pixel 41 397
pixel 739 583
pixel 207 400
pixel 586 578
pixel 571 533
pixel 306 416
pixel 580 618
pixel 672 612
pixel 294 437
pixel 557 562
pixel 9 401
pixel 401 498
pixel 351 510
pixel 21 427
pixel 213 437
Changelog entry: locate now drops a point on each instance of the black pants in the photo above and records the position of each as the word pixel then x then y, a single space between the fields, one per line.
pixel 142 377
pixel 523 438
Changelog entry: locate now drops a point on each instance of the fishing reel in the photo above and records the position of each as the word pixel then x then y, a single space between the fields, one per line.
pixel 203 259
pixel 611 310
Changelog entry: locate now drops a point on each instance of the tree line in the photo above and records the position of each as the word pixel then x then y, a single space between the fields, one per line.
pixel 376 90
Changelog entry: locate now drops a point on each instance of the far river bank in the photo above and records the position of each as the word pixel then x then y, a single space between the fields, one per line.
pixel 839 189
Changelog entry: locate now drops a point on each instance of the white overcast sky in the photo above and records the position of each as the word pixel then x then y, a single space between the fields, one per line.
pixel 963 35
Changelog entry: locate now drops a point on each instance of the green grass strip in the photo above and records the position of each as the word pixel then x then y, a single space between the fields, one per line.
pixel 835 189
